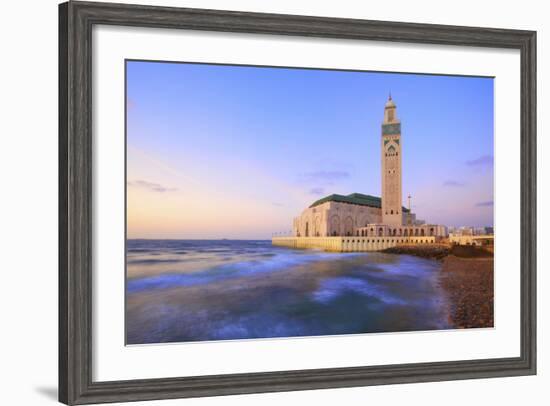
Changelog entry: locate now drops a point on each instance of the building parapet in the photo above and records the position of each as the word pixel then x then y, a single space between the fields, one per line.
pixel 350 244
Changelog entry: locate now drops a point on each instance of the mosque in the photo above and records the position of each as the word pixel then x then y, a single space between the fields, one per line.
pixel 366 216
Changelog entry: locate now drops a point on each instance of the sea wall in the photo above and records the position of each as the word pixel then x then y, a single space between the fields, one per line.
pixel 350 244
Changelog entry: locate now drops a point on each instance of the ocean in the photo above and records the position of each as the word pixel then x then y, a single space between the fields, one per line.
pixel 193 290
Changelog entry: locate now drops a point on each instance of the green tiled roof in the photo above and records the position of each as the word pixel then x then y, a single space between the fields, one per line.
pixel 354 198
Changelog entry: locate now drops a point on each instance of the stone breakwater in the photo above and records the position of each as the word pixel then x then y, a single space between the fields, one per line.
pixel 434 251
pixel 467 275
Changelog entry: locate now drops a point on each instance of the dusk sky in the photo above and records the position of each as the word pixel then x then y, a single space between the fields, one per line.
pixel 237 152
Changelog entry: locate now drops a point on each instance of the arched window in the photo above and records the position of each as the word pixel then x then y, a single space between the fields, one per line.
pixel 380 231
pixel 422 232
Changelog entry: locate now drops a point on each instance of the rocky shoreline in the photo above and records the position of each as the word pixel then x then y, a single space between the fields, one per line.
pixel 425 251
pixel 467 277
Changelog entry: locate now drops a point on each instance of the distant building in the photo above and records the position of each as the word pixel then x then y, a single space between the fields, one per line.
pixel 467 231
pixel 472 236
pixel 478 240
pixel 464 231
pixel 364 215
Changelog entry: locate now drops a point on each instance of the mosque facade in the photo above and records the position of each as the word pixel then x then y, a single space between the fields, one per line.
pixel 364 215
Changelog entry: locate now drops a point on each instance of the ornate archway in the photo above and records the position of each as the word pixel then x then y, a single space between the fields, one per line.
pixel 317 227
pixel 348 226
pixel 335 225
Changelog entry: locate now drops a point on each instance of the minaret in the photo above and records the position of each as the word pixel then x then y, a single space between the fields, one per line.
pixel 391 166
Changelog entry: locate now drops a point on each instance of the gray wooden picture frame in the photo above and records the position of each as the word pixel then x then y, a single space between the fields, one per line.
pixel 76 20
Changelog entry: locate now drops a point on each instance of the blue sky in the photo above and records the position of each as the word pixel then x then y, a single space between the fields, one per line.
pixel 220 151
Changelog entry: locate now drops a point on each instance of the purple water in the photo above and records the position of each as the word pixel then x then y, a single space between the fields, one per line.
pixel 190 290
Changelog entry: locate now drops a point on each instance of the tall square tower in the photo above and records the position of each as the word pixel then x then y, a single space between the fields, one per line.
pixel 391 166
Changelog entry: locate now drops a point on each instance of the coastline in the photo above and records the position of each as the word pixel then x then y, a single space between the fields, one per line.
pixel 467 277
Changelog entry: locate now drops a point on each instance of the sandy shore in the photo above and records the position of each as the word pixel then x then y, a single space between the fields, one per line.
pixel 467 276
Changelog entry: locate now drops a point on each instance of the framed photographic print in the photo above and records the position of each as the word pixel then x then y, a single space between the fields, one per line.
pixel 258 202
